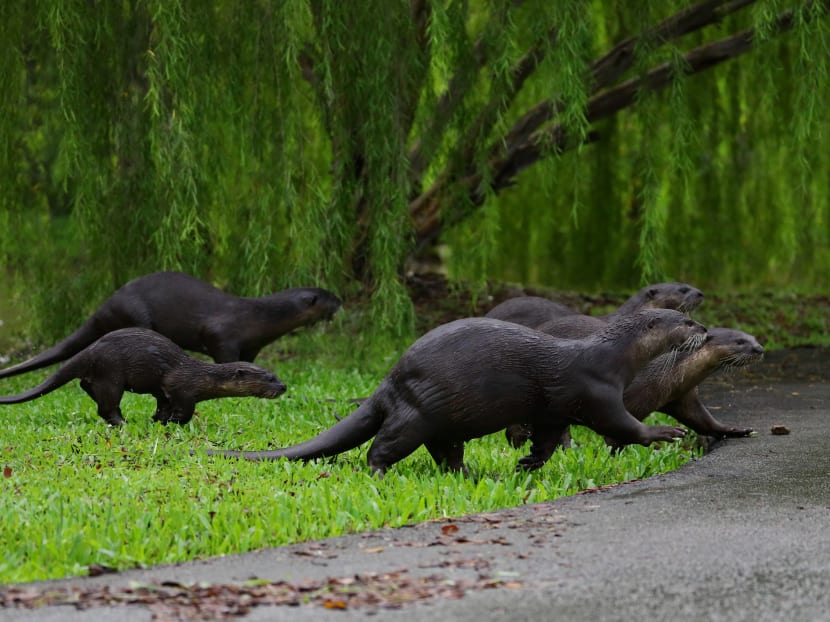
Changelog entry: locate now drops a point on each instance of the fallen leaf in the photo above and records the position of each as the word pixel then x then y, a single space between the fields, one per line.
pixel 7 472
pixel 96 570
pixel 448 529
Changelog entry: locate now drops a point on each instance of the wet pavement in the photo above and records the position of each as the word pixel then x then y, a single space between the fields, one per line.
pixel 741 534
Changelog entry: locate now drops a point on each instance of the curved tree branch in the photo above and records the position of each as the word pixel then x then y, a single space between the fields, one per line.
pixel 425 210
pixel 610 67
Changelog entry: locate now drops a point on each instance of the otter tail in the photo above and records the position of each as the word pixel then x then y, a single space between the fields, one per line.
pixel 64 374
pixel 61 351
pixel 348 433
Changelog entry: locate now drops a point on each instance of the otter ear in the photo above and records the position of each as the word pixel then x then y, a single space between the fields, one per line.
pixel 651 293
pixel 652 323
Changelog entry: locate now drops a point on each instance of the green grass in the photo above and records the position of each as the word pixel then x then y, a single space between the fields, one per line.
pixel 76 493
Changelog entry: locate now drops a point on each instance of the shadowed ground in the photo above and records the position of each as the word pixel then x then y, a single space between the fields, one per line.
pixel 742 534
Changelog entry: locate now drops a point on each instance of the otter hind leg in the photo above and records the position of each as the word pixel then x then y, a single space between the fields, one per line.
pixel 108 397
pixel 400 434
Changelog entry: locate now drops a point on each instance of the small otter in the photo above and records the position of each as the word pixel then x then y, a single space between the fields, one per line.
pixel 669 384
pixel 475 376
pixel 196 316
pixel 142 361
pixel 533 311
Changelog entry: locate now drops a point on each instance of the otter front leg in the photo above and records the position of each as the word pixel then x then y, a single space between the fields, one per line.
pixel 545 439
pixel 163 409
pixel 690 411
pixel 179 412
pixel 519 433
pixel 611 419
pixel 449 455
pixel 222 349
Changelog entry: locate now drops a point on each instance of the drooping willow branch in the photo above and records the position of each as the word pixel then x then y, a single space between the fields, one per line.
pixel 524 148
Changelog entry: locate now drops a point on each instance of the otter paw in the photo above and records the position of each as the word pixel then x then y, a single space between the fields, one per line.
pixel 665 433
pixel 734 432
pixel 529 463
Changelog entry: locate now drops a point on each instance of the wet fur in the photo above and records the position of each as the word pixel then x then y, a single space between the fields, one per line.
pixel 196 316
pixel 475 376
pixel 669 384
pixel 142 361
pixel 534 311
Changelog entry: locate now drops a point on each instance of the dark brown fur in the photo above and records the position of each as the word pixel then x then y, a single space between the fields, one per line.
pixel 669 384
pixel 533 311
pixel 476 376
pixel 142 361
pixel 196 316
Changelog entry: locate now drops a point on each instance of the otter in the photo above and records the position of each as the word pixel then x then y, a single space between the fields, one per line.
pixel 142 361
pixel 476 376
pixel 533 311
pixel 196 316
pixel 669 384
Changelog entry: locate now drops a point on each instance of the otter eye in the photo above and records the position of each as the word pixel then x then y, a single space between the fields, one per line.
pixel 684 290
pixel 313 301
pixel 741 341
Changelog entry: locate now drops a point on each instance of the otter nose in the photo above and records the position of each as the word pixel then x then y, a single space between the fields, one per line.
pixel 757 349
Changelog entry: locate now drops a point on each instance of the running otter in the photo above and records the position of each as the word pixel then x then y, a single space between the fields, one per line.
pixel 142 361
pixel 669 384
pixel 533 311
pixel 475 376
pixel 196 316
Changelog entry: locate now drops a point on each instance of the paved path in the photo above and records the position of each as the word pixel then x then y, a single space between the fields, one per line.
pixel 742 534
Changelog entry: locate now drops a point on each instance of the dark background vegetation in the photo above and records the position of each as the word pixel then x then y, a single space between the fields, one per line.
pixel 580 145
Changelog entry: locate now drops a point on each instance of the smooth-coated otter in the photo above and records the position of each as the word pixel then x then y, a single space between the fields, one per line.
pixel 475 376
pixel 196 316
pixel 533 311
pixel 142 361
pixel 669 384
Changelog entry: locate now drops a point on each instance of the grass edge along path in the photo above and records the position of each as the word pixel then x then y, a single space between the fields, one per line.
pixel 78 496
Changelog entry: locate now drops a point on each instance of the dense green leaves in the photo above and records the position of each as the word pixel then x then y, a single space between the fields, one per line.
pixel 577 143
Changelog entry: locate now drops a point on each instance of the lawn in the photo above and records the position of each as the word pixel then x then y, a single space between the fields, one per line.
pixel 78 496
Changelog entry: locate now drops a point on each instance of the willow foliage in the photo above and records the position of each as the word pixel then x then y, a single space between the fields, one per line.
pixel 577 143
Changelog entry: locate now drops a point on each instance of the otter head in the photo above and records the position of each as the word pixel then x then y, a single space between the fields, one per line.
pixel 667 329
pixel 249 380
pixel 728 348
pixel 679 296
pixel 313 304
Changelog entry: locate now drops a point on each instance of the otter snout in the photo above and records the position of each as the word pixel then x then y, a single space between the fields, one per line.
pixel 697 335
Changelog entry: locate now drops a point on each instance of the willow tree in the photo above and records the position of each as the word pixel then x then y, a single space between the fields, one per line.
pixel 263 144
